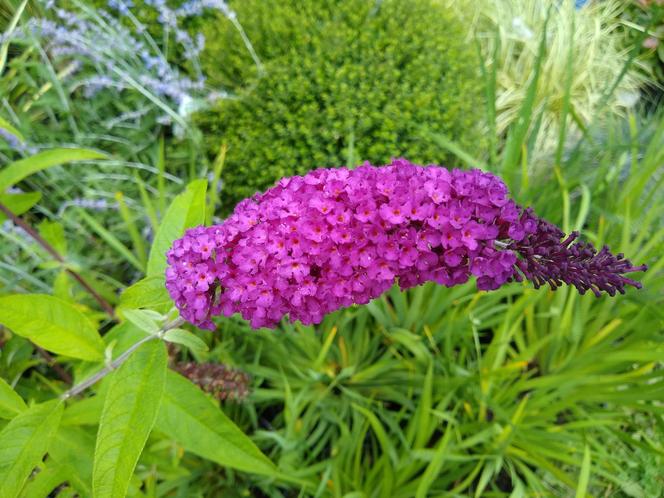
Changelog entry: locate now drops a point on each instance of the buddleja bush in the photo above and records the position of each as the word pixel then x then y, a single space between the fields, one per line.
pixel 339 82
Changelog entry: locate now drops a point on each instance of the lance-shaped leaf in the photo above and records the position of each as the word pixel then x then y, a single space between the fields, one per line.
pixel 11 403
pixel 186 210
pixel 132 402
pixel 188 416
pixel 23 443
pixel 23 168
pixel 53 324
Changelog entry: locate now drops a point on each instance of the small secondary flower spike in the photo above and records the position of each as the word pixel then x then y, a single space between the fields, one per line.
pixel 315 243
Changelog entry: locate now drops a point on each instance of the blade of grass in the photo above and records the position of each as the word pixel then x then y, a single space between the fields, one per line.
pixel 111 240
pixel 4 48
pixel 132 229
pixel 517 135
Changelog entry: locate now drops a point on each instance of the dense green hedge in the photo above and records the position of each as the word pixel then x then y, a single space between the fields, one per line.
pixel 344 81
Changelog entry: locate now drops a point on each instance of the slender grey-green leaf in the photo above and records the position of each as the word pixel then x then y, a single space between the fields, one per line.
pixel 188 416
pixel 131 405
pixel 186 210
pixel 23 443
pixel 143 320
pixel 186 338
pixel 53 324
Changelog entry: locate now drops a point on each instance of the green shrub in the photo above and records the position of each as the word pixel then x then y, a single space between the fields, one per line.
pixel 340 83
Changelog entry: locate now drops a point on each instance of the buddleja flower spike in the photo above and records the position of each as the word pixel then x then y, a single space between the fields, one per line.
pixel 335 237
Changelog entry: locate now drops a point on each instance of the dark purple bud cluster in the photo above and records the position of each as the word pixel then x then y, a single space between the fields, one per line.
pixel 548 257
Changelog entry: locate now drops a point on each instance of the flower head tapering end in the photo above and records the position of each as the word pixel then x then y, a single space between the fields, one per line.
pixel 335 237
pixel 548 256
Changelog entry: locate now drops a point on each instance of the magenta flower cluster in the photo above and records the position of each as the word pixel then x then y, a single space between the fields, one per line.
pixel 335 237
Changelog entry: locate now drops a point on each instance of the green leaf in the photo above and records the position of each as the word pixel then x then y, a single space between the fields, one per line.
pixel 19 203
pixel 23 443
pixel 53 232
pixel 11 403
pixel 451 146
pixel 517 134
pixel 189 417
pixel 134 394
pixel 23 168
pixel 186 338
pixel 7 126
pixel 144 321
pixel 111 240
pixel 4 46
pixel 584 476
pixel 147 293
pixel 53 324
pixel 434 467
pixel 73 450
pixel 187 210
pixel 47 479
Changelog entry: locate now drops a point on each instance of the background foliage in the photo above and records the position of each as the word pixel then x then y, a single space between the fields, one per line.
pixel 341 83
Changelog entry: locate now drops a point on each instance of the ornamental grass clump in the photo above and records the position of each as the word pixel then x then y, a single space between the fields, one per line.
pixel 336 237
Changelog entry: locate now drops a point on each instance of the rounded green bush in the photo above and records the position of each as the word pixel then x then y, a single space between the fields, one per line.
pixel 341 82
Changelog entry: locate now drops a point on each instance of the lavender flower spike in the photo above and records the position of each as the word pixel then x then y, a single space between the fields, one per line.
pixel 334 237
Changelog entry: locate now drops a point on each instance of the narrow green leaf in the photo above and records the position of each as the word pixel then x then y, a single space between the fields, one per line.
pixel 47 479
pixel 379 431
pixel 7 126
pixel 584 476
pixel 11 403
pixel 23 168
pixel 130 408
pixel 4 47
pixel 130 223
pixel 569 76
pixel 53 324
pixel 186 338
pixel 434 467
pixel 147 203
pixel 186 210
pixel 517 134
pixel 451 146
pixel 19 203
pixel 189 417
pixel 111 240
pixel 23 443
pixel 217 167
